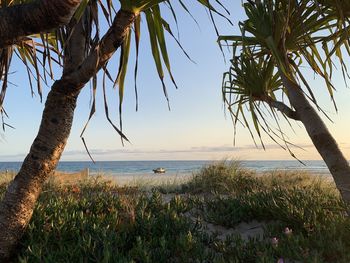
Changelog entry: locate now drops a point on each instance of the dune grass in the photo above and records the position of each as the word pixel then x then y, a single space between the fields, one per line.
pixel 97 221
pixel 6 177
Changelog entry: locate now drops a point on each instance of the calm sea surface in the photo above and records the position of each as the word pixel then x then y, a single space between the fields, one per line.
pixel 172 167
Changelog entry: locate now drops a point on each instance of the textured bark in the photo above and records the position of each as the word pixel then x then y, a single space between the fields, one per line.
pixel 22 20
pixel 280 106
pixel 115 36
pixel 321 137
pixel 98 57
pixel 16 208
pixel 110 42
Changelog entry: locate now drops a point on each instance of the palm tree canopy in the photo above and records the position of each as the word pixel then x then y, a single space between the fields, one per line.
pixel 39 52
pixel 282 35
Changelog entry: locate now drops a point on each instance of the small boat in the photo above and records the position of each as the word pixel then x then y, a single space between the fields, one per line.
pixel 159 170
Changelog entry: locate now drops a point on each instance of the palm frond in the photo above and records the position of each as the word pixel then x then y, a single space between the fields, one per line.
pixel 290 30
pixel 40 52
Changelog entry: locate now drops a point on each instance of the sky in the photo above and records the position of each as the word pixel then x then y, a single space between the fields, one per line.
pixel 196 127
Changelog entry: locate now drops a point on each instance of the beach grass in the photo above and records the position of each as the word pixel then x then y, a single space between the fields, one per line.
pixel 300 218
pixel 6 177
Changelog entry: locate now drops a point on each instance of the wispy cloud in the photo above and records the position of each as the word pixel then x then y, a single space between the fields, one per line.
pixel 202 149
pixel 126 153
pixel 195 149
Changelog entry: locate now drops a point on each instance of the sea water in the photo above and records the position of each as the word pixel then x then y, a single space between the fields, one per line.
pixel 116 168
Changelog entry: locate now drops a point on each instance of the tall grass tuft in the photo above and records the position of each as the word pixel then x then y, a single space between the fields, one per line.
pixel 96 221
pixel 223 177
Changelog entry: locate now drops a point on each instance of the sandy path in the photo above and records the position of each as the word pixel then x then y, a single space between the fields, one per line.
pixel 247 230
pixel 149 180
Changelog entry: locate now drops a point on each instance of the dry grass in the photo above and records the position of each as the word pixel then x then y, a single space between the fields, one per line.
pixel 62 178
pixel 208 219
pixel 6 177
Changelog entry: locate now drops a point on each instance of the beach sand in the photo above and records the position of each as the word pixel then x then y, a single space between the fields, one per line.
pixel 143 180
pixel 148 180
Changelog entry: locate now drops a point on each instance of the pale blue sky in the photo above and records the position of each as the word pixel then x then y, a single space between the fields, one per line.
pixel 196 127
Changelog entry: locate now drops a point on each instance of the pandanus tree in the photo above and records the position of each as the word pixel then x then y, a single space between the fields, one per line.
pixel 67 33
pixel 265 79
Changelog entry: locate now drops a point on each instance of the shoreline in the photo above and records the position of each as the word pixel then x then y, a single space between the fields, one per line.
pixel 117 168
pixel 149 180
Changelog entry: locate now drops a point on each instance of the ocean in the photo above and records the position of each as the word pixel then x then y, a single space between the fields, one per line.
pixel 115 168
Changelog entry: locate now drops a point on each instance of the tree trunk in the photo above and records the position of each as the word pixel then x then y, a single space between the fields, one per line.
pixel 21 20
pixel 17 206
pixel 321 137
pixel 18 203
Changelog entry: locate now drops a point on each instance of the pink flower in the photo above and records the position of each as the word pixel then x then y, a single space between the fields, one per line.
pixel 288 231
pixel 280 260
pixel 274 241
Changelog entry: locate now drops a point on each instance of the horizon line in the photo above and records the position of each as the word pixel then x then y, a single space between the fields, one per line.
pixel 182 160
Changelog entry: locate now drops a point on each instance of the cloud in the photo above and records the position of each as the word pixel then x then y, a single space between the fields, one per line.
pixel 13 156
pixel 201 149
pixel 150 153
pixel 204 149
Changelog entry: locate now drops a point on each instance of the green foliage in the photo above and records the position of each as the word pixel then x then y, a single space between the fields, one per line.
pixel 247 84
pixel 99 222
pixel 223 178
pixel 94 225
pixel 304 203
pixel 137 6
pixel 39 52
pixel 295 206
pixel 286 35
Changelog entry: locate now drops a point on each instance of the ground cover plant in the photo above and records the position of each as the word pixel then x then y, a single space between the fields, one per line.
pixel 76 39
pixel 98 221
pixel 276 40
pixel 266 81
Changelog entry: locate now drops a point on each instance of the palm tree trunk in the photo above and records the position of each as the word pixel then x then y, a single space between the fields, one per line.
pixel 321 137
pixel 22 20
pixel 17 206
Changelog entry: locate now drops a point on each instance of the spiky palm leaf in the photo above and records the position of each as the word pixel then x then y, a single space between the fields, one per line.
pixel 39 52
pixel 288 34
pixel 286 27
pixel 248 85
pixel 157 27
pixel 338 40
